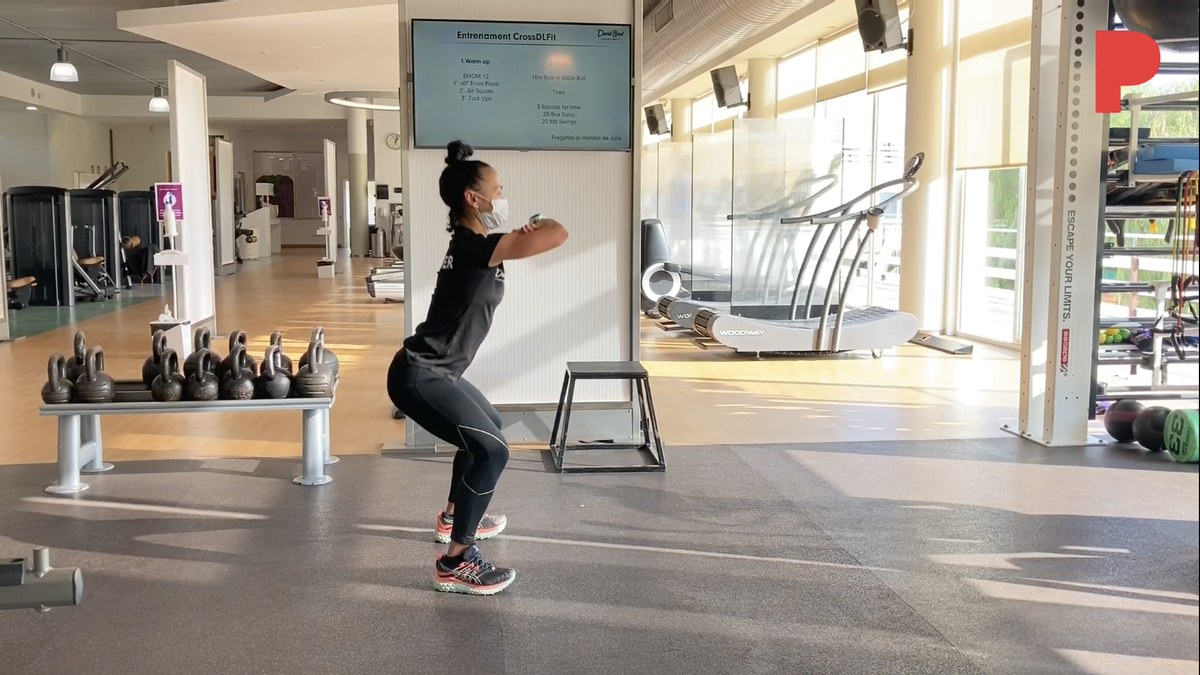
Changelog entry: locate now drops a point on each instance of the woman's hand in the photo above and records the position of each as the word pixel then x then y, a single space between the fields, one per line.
pixel 527 228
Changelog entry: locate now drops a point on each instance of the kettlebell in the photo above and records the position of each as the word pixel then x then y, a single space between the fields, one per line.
pixel 237 337
pixel 238 382
pixel 202 384
pixel 58 388
pixel 327 357
pixel 285 363
pixel 201 340
pixel 152 365
pixel 75 363
pixel 273 381
pixel 94 385
pixel 167 386
pixel 315 379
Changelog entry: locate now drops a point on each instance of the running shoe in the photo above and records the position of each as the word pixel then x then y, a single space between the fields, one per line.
pixel 472 575
pixel 489 526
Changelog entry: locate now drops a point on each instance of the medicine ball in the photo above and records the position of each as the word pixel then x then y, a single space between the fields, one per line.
pixel 1149 426
pixel 1182 436
pixel 1119 419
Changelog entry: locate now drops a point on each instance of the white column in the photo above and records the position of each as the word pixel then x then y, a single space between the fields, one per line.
pixel 761 86
pixel 925 225
pixel 681 120
pixel 356 155
pixel 1064 225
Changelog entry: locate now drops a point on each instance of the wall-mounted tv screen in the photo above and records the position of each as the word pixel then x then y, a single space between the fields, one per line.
pixel 522 86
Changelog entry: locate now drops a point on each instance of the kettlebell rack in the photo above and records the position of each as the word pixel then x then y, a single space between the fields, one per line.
pixel 81 450
pixel 78 392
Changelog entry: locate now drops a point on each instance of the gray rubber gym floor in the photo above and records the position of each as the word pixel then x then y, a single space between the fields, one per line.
pixel 924 559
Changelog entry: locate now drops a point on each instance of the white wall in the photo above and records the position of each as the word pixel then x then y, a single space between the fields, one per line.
pixel 387 161
pixel 296 231
pixel 574 304
pixel 144 148
pixel 37 148
pixel 76 144
pixel 24 149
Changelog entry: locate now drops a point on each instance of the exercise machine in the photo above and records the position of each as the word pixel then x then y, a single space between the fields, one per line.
pixel 770 252
pixel 830 331
pixel 387 283
pixel 34 584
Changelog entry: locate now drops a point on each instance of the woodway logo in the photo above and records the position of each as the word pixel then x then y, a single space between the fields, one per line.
pixel 733 333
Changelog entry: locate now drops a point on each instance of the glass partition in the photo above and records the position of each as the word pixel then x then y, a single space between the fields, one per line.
pixel 650 181
pixel 712 203
pixel 784 168
pixel 674 206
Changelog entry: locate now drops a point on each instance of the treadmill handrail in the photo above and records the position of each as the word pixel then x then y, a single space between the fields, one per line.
pixel 911 185
pixel 844 212
pixel 768 211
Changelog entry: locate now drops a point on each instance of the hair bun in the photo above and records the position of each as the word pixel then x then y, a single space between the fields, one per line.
pixel 458 152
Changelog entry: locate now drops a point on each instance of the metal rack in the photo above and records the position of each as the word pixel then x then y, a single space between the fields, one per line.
pixel 1068 175
pixel 1107 355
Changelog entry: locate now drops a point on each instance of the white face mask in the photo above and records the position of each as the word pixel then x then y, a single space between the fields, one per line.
pixel 495 218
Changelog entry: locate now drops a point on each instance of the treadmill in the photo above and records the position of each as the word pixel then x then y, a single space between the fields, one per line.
pixel 831 331
pixel 387 283
pixel 774 245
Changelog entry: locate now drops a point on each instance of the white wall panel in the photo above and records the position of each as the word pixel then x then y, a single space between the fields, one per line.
pixel 224 155
pixel 573 304
pixel 331 183
pixel 189 160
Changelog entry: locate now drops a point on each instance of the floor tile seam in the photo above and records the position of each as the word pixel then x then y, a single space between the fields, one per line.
pixel 840 546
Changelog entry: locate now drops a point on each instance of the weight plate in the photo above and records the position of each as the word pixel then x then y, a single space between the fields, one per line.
pixel 1182 436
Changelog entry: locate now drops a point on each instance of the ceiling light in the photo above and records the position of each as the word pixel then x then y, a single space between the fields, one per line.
pixel 342 98
pixel 63 70
pixel 31 107
pixel 159 104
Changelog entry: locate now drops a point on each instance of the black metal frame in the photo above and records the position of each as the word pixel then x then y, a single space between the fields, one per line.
pixel 651 444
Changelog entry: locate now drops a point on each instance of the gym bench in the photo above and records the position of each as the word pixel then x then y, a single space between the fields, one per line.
pixel 651 446
pixel 80 449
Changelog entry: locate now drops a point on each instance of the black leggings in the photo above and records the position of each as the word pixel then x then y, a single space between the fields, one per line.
pixel 457 413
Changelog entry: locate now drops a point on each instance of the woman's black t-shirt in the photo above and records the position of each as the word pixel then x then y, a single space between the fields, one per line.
pixel 465 297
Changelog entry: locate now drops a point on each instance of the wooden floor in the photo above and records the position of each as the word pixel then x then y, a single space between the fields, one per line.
pixel 702 397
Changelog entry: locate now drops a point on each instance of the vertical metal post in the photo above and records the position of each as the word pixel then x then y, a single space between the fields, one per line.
pixel 68 457
pixel 89 431
pixel 1039 205
pixel 312 454
pixel 1078 179
pixel 328 458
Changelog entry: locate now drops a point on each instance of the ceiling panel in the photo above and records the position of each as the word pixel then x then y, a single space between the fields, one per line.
pixel 91 26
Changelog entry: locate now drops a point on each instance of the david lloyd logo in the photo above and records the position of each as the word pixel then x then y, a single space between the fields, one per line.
pixel 1123 58
pixel 610 33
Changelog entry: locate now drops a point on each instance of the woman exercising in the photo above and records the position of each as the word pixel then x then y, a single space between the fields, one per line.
pixel 425 379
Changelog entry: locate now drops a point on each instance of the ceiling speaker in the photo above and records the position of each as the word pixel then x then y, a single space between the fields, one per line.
pixel 656 119
pixel 727 88
pixel 879 25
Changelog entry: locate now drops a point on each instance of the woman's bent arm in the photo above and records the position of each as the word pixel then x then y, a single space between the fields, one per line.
pixel 549 235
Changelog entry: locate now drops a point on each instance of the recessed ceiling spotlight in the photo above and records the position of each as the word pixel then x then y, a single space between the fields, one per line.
pixel 31 107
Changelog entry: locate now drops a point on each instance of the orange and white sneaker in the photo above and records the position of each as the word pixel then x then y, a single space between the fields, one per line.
pixel 489 526
pixel 470 574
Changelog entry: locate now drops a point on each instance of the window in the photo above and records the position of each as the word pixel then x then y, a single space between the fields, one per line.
pixel 993 215
pixel 841 66
pixel 797 74
pixel 888 165
pixel 992 91
pixel 702 111
pixel 858 141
